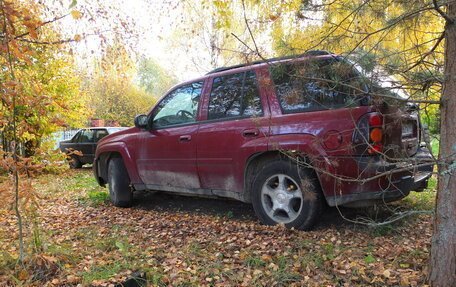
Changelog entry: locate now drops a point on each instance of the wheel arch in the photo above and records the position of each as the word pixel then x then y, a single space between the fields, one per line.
pixel 104 155
pixel 102 165
pixel 256 161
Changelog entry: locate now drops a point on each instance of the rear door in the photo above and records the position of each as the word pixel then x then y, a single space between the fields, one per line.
pixel 99 134
pixel 167 155
pixel 235 127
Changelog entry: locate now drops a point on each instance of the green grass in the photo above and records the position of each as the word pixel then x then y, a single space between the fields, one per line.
pixel 95 198
pixel 432 184
pixel 421 200
pixel 74 184
pixel 104 272
pixel 254 261
pixel 155 277
pixel 283 278
pixel 312 259
pixel 117 253
pixel 83 181
pixel 7 262
pixel 435 144
pixel 81 186
pixel 424 200
pixel 387 230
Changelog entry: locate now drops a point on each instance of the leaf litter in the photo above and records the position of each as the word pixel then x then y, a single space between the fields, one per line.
pixel 100 245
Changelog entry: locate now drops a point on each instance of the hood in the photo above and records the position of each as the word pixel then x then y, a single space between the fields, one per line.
pixel 118 136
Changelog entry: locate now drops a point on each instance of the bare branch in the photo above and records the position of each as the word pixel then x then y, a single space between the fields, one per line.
pixel 357 180
pixel 396 217
pixel 394 23
pixel 250 33
pixel 443 14
pixel 439 40
pixel 41 25
pixel 15 156
pixel 47 42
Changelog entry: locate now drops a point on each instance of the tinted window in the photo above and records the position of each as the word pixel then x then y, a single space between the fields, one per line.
pixel 86 136
pixel 76 137
pixel 101 134
pixel 234 95
pixel 178 107
pixel 316 85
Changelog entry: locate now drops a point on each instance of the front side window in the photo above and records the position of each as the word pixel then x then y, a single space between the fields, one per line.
pixel 317 85
pixel 178 107
pixel 75 138
pixel 234 96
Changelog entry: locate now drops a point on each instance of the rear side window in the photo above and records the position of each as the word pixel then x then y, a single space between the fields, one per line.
pixel 100 134
pixel 317 85
pixel 234 96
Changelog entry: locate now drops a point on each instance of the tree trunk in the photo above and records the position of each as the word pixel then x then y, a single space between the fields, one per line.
pixel 443 249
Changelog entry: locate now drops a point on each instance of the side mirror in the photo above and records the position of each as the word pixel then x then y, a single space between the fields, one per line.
pixel 141 121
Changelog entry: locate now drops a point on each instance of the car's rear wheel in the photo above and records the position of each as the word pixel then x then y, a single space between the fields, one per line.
pixel 74 162
pixel 285 194
pixel 120 191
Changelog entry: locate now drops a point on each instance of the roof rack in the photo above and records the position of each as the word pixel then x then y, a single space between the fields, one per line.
pixel 308 53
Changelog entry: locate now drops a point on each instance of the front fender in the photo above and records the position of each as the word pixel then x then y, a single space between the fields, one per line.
pixel 108 150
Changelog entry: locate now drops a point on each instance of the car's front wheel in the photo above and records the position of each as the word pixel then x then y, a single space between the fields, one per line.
pixel 74 162
pixel 284 193
pixel 120 191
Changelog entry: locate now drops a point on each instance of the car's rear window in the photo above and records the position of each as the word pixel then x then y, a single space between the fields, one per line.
pixel 317 84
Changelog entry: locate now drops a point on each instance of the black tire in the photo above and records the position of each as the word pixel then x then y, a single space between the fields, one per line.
pixel 284 194
pixel 74 162
pixel 120 191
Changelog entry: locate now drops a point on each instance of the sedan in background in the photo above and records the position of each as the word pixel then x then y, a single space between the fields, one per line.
pixel 81 147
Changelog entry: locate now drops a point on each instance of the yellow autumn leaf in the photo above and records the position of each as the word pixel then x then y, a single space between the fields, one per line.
pixel 77 37
pixel 387 273
pixel 32 32
pixel 76 14
pixel 23 275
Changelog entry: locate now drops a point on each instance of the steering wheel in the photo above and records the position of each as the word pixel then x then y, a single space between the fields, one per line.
pixel 185 114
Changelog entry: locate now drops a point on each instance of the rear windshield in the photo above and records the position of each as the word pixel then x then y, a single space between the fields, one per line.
pixel 317 84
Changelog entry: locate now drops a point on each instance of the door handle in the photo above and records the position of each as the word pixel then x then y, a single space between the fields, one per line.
pixel 250 133
pixel 185 138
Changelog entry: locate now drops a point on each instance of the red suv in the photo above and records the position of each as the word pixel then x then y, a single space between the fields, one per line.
pixel 285 134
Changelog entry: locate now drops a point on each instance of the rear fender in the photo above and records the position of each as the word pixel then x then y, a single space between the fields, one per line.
pixel 309 147
pixel 305 144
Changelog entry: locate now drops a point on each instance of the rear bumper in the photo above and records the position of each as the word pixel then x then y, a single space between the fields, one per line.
pixel 402 178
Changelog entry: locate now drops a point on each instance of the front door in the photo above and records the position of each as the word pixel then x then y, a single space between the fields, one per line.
pixel 86 145
pixel 167 157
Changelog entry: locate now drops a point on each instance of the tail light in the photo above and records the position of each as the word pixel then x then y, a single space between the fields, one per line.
pixel 376 133
pixel 375 120
pixel 368 135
